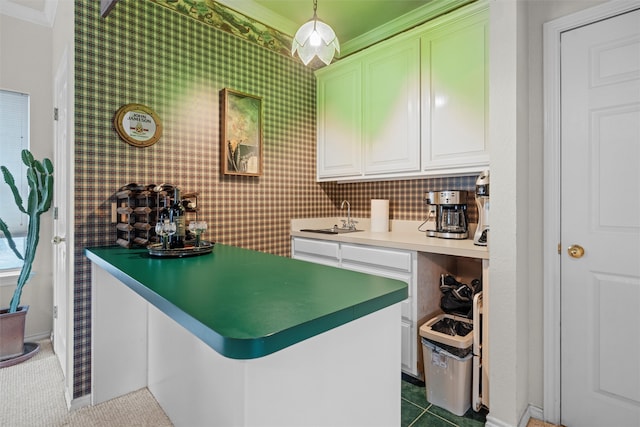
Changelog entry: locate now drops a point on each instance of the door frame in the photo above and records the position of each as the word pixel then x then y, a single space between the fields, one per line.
pixel 552 32
pixel 59 154
pixel 66 66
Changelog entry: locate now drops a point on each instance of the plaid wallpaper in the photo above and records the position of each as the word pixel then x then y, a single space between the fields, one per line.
pixel 148 54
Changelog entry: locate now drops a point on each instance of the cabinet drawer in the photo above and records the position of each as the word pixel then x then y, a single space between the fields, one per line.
pixel 317 248
pixel 378 257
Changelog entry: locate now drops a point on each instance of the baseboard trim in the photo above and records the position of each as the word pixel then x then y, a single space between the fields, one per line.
pixel 494 422
pixel 531 412
pixel 80 402
pixel 38 337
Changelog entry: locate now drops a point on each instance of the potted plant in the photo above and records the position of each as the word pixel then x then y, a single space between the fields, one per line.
pixel 40 181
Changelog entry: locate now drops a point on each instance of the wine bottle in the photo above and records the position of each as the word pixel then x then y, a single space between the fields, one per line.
pixel 163 213
pixel 177 215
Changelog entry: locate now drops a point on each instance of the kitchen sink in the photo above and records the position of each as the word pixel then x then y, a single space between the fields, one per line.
pixel 333 230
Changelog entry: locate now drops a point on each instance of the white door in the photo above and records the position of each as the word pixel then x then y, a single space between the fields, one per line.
pixel 600 212
pixel 61 167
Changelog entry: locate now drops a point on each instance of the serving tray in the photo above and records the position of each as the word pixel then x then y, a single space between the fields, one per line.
pixel 189 250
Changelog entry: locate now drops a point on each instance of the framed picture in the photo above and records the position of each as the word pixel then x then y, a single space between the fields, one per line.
pixel 241 139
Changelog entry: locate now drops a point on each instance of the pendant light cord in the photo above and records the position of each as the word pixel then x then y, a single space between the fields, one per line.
pixel 315 15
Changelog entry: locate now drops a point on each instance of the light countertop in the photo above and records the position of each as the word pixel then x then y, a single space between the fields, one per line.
pixel 402 235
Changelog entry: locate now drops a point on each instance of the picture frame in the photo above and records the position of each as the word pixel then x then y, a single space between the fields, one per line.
pixel 241 133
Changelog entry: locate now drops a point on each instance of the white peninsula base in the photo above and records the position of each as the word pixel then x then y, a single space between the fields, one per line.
pixel 347 376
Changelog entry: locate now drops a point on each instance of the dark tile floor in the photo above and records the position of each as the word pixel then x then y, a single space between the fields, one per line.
pixel 418 412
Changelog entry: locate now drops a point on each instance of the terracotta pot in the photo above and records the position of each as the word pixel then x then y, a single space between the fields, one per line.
pixel 12 332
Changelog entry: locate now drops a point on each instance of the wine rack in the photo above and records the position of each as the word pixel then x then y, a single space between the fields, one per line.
pixel 137 209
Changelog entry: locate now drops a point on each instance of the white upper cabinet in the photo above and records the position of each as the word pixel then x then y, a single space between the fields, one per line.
pixel 412 106
pixel 455 95
pixel 339 122
pixel 391 125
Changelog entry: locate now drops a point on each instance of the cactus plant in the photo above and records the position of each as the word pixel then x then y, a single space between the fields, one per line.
pixel 40 180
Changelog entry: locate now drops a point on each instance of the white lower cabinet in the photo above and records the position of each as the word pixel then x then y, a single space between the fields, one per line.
pixel 422 271
pixel 409 349
pixel 392 263
pixel 318 251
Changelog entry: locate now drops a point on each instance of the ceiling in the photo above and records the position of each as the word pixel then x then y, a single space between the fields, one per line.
pixel 41 12
pixel 348 18
pixel 357 23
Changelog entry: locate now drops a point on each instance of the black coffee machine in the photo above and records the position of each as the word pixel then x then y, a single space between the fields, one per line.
pixel 450 210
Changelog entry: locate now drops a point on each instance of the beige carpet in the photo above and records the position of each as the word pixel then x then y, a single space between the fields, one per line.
pixel 32 394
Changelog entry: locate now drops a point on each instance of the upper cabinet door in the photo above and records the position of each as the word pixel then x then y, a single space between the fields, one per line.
pixel 411 106
pixel 455 95
pixel 391 73
pixel 339 114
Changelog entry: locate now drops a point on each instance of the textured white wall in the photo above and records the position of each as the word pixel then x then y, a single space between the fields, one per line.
pixel 25 66
pixel 517 120
pixel 509 212
pixel 539 12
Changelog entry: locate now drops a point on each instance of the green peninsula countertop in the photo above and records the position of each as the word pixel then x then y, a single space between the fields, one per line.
pixel 247 304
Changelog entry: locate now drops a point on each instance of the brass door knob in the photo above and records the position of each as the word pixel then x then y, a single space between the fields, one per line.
pixel 575 251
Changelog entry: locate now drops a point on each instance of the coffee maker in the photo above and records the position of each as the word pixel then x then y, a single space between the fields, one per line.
pixel 482 200
pixel 450 208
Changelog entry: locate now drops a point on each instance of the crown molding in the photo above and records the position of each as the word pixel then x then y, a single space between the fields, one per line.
pixel 260 13
pixel 219 15
pixel 282 28
pixel 43 17
pixel 409 20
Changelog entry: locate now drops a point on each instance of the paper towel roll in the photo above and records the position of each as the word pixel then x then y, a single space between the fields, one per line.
pixel 379 215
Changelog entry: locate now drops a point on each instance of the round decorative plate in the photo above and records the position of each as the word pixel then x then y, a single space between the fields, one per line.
pixel 138 125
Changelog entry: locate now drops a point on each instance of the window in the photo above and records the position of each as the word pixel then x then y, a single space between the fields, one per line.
pixel 14 137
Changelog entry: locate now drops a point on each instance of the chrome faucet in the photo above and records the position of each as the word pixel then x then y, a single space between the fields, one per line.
pixel 348 223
